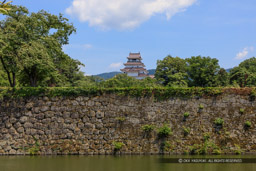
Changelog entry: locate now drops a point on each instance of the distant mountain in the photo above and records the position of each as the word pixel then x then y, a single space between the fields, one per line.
pixel 151 71
pixel 108 75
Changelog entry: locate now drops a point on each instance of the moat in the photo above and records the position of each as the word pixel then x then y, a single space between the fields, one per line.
pixel 115 163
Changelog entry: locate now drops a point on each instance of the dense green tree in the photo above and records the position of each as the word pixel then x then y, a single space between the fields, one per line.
pixel 4 7
pixel 148 82
pixel 36 66
pixel 172 71
pixel 249 64
pixel 31 47
pixel 222 78
pixel 202 71
pixel 3 78
pixel 87 81
pixel 120 80
pixel 245 74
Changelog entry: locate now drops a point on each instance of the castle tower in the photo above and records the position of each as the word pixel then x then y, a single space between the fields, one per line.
pixel 134 67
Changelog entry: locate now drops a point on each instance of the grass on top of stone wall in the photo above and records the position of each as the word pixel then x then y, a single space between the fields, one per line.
pixel 160 93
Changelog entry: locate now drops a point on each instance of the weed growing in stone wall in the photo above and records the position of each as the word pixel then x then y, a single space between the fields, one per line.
pixel 212 148
pixel 148 128
pixel 164 131
pixel 201 106
pixel 117 145
pixel 216 151
pixel 247 125
pixel 237 149
pixel 241 111
pixel 186 131
pixel 207 147
pixel 34 150
pixel 120 119
pixel 206 136
pixel 219 122
pixel 252 95
pixel 185 116
pixel 194 149
pixel 165 146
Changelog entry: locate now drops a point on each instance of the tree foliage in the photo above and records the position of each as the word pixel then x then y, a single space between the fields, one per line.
pixel 123 81
pixel 3 78
pixel 172 71
pixel 195 71
pixel 202 71
pixel 4 7
pixel 31 49
pixel 222 78
pixel 245 74
pixel 86 81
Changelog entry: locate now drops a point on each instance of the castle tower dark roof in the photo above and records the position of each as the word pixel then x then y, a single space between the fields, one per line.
pixel 134 56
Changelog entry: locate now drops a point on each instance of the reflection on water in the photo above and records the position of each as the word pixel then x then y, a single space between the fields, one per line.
pixel 113 163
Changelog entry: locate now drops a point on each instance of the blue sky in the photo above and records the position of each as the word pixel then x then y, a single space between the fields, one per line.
pixel 107 30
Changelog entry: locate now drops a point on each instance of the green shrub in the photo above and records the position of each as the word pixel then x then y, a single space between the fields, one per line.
pixel 186 130
pixel 194 149
pixel 186 114
pixel 247 124
pixel 164 131
pixel 203 149
pixel 120 119
pixel 252 95
pixel 206 136
pixel 238 149
pixel 166 146
pixel 33 150
pixel 117 145
pixel 242 111
pixel 216 151
pixel 201 106
pixel 219 122
pixel 159 93
pixel 148 128
pixel 185 152
pixel 208 147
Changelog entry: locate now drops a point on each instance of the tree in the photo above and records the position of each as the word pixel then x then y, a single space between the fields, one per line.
pixel 32 48
pixel 148 82
pixel 202 71
pixel 37 67
pixel 87 81
pixel 222 78
pixel 172 71
pixel 249 64
pixel 3 78
pixel 120 80
pixel 5 7
pixel 245 74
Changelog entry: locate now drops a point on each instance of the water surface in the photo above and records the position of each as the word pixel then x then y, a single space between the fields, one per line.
pixel 113 163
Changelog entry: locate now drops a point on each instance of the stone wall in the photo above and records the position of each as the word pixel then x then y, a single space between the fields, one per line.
pixel 90 125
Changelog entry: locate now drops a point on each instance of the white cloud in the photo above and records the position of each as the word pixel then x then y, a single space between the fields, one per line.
pixel 87 46
pixel 243 54
pixel 124 14
pixel 115 65
pixel 77 46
